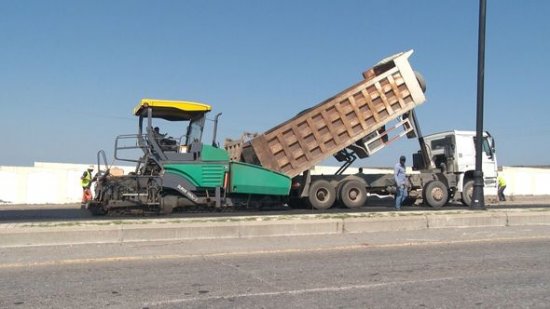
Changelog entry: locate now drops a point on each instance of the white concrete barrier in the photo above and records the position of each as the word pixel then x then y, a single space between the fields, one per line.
pixel 59 183
pixel 526 180
pixel 43 183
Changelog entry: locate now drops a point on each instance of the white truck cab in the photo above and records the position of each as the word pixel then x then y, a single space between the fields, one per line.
pixel 454 152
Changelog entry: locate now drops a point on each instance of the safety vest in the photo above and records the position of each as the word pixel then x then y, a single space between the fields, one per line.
pixel 85 182
pixel 501 182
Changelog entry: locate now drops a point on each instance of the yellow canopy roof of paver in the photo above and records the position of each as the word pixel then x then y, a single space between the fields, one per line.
pixel 172 110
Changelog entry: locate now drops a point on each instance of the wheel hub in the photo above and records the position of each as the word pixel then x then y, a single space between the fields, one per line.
pixel 321 195
pixel 437 194
pixel 353 194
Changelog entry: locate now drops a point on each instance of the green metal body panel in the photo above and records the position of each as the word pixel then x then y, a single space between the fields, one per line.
pixel 211 153
pixel 244 178
pixel 253 179
pixel 203 175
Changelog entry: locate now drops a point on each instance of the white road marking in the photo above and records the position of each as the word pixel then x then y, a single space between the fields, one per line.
pixel 299 292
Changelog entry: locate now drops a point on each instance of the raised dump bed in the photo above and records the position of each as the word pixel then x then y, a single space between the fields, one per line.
pixel 389 89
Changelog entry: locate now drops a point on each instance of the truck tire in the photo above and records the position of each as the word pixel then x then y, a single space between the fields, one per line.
pixel 467 192
pixel 436 194
pixel 321 195
pixel 353 194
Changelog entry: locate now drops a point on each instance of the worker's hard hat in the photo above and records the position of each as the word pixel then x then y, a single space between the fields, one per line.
pixel 91 167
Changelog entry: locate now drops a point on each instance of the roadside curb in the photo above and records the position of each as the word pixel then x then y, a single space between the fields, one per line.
pixel 116 231
pixel 468 220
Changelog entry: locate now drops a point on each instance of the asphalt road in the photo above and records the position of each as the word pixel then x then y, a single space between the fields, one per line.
pixel 485 268
pixel 52 212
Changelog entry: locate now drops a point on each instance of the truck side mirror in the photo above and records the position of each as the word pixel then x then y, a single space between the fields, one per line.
pixel 491 147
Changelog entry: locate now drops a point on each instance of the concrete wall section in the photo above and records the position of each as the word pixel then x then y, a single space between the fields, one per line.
pixel 59 183
pixel 8 184
pixel 43 183
pixel 526 180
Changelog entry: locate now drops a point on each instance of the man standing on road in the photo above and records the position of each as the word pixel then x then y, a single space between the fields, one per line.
pixel 501 188
pixel 86 183
pixel 400 182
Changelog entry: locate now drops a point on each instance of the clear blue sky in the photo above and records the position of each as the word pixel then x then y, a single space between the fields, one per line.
pixel 72 71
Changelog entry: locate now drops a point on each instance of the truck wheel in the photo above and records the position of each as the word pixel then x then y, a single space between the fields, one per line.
pixel 321 195
pixel 353 194
pixel 467 193
pixel 436 194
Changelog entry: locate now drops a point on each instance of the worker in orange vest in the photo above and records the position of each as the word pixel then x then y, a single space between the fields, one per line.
pixel 86 183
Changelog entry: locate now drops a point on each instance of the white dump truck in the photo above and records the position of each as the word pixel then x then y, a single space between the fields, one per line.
pixel 356 123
